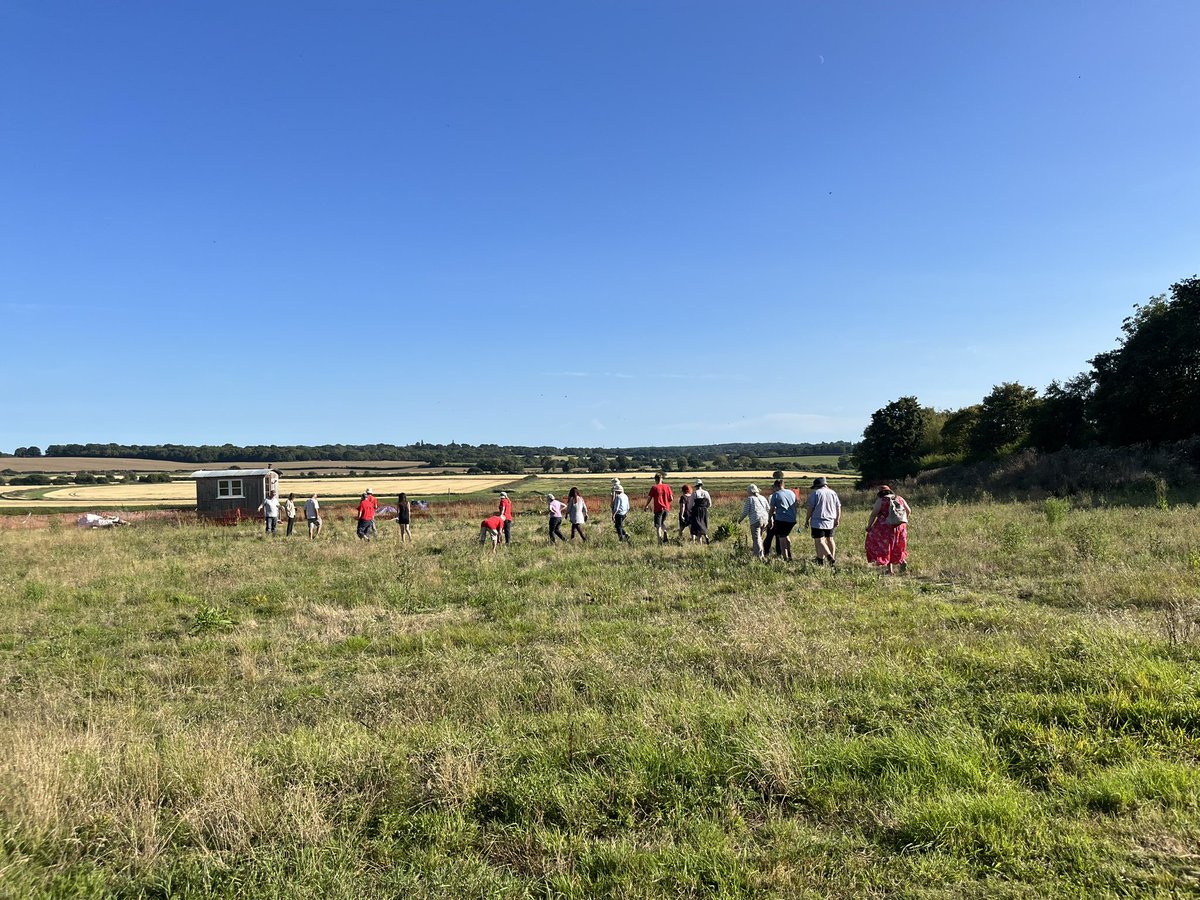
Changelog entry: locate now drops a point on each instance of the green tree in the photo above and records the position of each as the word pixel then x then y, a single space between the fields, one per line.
pixel 1148 389
pixel 893 442
pixel 1063 416
pixel 957 430
pixel 1004 419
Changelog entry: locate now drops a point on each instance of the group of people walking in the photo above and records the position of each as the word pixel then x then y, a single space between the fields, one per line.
pixel 772 518
pixel 270 508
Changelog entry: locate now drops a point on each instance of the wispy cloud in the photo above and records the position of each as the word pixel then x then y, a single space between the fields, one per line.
pixel 623 375
pixel 32 307
pixel 597 424
pixel 690 376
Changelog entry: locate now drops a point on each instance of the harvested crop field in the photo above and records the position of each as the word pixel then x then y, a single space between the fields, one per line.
pixel 133 495
pixel 52 464
pixel 183 491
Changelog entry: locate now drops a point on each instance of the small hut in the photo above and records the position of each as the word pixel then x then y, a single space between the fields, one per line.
pixel 233 494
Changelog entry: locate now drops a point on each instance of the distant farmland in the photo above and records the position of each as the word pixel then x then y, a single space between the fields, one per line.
pixel 53 464
pixel 182 492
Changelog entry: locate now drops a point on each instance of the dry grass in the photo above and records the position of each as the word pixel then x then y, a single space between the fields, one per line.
pixel 184 491
pixel 205 712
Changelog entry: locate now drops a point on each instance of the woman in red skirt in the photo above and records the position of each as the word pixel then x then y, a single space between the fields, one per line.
pixel 887 531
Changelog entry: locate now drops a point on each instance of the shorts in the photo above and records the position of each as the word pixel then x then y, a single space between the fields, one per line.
pixel 660 518
pixel 822 532
pixel 783 529
pixel 313 521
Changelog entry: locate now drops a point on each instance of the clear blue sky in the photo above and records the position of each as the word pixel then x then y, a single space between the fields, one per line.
pixel 583 223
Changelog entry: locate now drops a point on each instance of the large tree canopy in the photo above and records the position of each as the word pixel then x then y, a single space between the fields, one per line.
pixel 894 441
pixel 1004 419
pixel 1148 389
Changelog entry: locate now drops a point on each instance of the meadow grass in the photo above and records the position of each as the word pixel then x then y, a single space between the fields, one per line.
pixel 193 711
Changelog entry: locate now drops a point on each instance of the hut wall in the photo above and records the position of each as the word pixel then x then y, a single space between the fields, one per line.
pixel 209 504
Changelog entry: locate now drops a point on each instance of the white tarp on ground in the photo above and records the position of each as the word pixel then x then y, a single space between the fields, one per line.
pixel 93 520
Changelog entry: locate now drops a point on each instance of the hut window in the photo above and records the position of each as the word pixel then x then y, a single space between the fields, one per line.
pixel 230 487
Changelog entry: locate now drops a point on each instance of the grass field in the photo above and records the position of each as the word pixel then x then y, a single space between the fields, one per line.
pixel 804 462
pixel 203 712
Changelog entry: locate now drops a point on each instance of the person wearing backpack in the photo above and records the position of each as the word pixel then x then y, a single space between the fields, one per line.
pixel 887 531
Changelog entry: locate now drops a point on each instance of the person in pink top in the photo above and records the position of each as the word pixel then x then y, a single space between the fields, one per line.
pixel 366 515
pixel 506 512
pixel 491 527
pixel 887 531
pixel 661 497
pixel 557 511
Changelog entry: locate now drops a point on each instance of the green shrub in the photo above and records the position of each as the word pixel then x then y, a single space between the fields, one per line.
pixel 1055 510
pixel 211 618
pixel 724 532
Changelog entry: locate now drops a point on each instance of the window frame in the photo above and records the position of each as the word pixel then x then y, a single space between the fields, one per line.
pixel 229 483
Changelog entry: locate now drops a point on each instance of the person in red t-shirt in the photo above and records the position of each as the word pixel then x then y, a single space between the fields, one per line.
pixel 491 527
pixel 366 515
pixel 506 512
pixel 661 497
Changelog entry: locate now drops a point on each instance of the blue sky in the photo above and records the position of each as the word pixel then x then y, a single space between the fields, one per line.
pixel 574 223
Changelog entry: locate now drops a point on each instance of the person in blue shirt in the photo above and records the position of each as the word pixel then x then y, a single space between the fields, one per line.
pixel 783 518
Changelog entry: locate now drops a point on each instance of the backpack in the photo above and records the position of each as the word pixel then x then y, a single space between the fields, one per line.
pixel 897 514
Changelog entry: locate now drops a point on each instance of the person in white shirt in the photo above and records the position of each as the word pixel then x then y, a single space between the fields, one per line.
pixel 270 510
pixel 620 509
pixel 823 514
pixel 312 512
pixel 289 512
pixel 757 510
pixel 577 512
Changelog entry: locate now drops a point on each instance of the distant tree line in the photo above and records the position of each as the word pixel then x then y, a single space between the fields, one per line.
pixel 1145 391
pixel 476 457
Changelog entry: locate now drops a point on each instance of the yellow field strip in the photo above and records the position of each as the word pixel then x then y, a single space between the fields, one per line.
pixel 184 492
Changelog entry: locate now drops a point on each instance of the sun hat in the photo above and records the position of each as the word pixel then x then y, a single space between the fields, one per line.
pixel 699 482
pixel 753 489
pixel 819 482
pixel 549 496
pixel 368 490
pixel 503 494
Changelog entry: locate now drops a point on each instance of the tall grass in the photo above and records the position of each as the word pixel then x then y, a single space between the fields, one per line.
pixel 203 712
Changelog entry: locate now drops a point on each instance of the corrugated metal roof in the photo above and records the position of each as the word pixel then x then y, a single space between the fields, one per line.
pixel 231 473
